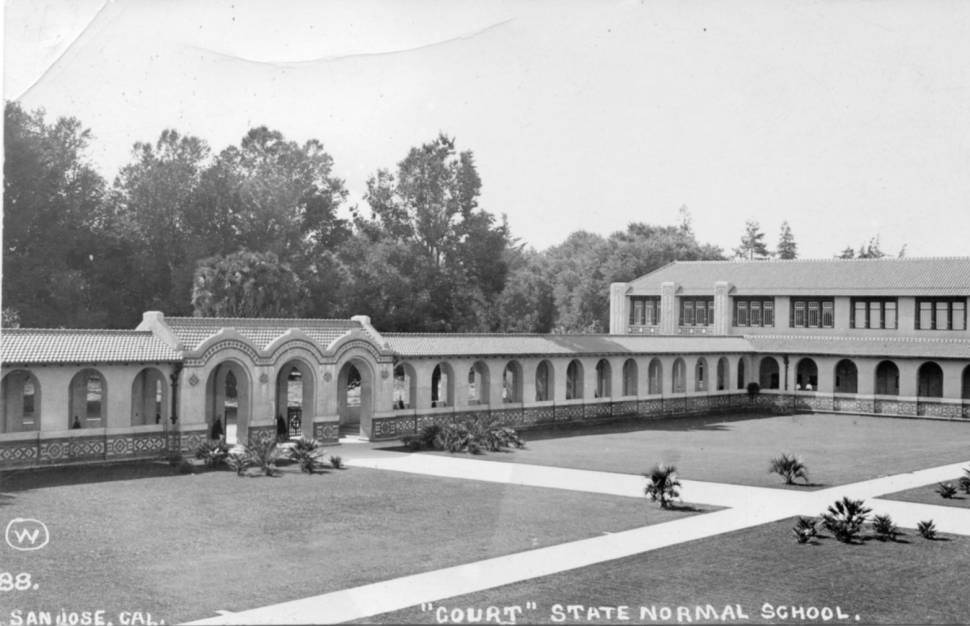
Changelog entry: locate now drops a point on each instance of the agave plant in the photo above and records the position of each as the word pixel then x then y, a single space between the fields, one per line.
pixel 946 490
pixel 805 529
pixel 927 529
pixel 789 468
pixel 884 528
pixel 662 484
pixel 845 518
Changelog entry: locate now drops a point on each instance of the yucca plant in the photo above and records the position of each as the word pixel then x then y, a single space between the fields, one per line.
pixel 307 453
pixel 845 518
pixel 789 468
pixel 884 528
pixel 213 452
pixel 238 460
pixel 264 455
pixel 805 529
pixel 662 484
pixel 946 490
pixel 927 529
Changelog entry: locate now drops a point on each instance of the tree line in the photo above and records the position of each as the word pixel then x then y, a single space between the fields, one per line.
pixel 256 230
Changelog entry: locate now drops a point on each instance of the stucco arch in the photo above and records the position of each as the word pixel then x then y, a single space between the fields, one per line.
pixel 149 397
pixel 21 403
pixel 678 378
pixel 630 377
pixel 806 375
pixel 574 380
pixel 296 397
pixel 229 400
pixel 545 381
pixel 701 374
pixel 88 400
pixel 356 386
pixel 846 377
pixel 655 377
pixel 405 386
pixel 929 380
pixel 768 373
pixel 887 379
pixel 512 382
pixel 479 383
pixel 604 379
pixel 442 385
pixel 723 374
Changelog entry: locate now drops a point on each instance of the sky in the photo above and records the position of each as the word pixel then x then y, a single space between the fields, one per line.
pixel 848 119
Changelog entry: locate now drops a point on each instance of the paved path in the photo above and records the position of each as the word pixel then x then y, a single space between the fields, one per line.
pixel 747 507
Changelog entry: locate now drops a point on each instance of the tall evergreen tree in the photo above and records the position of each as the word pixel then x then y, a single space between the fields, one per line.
pixel 752 242
pixel 787 248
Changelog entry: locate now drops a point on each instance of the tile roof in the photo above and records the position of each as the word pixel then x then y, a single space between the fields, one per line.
pixel 917 347
pixel 41 345
pixel 192 331
pixel 420 345
pixel 889 276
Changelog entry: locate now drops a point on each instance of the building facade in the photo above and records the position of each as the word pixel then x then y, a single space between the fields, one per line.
pixel 882 337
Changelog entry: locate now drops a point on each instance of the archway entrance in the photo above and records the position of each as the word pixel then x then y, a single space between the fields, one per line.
pixel 294 398
pixel 227 402
pixel 355 396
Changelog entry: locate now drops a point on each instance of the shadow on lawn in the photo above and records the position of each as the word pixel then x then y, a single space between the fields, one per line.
pixel 22 480
pixel 6 498
pixel 635 424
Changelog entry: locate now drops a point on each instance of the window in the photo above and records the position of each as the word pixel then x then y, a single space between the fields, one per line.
pixel 873 313
pixel 941 314
pixel 29 398
pixel 754 312
pixel 644 311
pixel 696 311
pixel 817 313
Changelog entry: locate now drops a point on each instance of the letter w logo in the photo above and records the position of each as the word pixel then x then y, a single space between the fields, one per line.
pixel 26 534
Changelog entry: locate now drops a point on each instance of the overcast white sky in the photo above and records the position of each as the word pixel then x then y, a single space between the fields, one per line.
pixel 848 119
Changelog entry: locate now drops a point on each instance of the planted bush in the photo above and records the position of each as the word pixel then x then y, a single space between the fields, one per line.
pixel 946 490
pixel 336 462
pixel 805 529
pixel 844 519
pixel 307 453
pixel 213 452
pixel 884 528
pixel 753 390
pixel 965 481
pixel 789 468
pixel 262 455
pixel 927 529
pixel 474 436
pixel 662 484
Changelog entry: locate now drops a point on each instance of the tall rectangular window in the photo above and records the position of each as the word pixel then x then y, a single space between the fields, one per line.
pixel 926 315
pixel 756 313
pixel 644 310
pixel 768 313
pixel 813 316
pixel 828 313
pixel 799 314
pixel 941 313
pixel 741 316
pixel 859 320
pixel 889 314
pixel 959 317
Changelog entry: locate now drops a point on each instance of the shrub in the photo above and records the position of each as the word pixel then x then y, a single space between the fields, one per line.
pixel 753 389
pixel 789 468
pixel 213 452
pixel 884 528
pixel 306 452
pixel 185 467
pixel 336 462
pixel 965 484
pixel 946 490
pixel 845 518
pixel 428 436
pixel 475 436
pixel 412 442
pixel 805 529
pixel 662 484
pixel 927 529
pixel 239 460
pixel 264 454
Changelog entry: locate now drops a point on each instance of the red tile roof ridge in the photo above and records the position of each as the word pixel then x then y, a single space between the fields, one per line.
pixel 117 331
pixel 909 339
pixel 819 259
pixel 262 319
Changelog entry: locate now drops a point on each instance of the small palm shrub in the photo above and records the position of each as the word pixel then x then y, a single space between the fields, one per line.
pixel 336 462
pixel 753 390
pixel 428 435
pixel 264 455
pixel 474 436
pixel 884 528
pixel 307 452
pixel 946 490
pixel 662 484
pixel 845 518
pixel 213 452
pixel 927 529
pixel 805 529
pixel 789 468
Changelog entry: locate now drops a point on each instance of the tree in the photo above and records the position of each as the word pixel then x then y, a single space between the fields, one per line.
pixel 787 248
pixel 247 284
pixel 662 484
pixel 526 304
pixel 871 250
pixel 52 199
pixel 752 242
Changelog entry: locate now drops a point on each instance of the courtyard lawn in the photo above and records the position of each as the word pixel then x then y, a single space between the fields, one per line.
pixel 140 538
pixel 913 581
pixel 837 449
pixel 928 495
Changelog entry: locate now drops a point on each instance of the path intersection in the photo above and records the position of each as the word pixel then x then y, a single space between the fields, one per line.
pixel 739 507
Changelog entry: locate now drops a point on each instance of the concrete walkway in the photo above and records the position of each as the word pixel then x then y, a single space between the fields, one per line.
pixel 747 507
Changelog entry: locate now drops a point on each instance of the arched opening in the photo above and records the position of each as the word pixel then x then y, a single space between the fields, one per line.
pixel 405 386
pixel 929 381
pixel 355 395
pixel 966 383
pixel 21 402
pixel 630 378
pixel 680 376
pixel 604 379
pixel 741 381
pixel 700 375
pixel 442 385
pixel 227 407
pixel 512 382
pixel 722 374
pixel 294 399
pixel 846 377
pixel 545 390
pixel 574 380
pixel 806 375
pixel 478 384
pixel 88 393
pixel 655 377
pixel 149 398
pixel 887 379
pixel 768 376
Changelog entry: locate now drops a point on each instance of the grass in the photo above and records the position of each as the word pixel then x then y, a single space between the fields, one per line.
pixel 928 495
pixel 738 448
pixel 139 537
pixel 911 581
